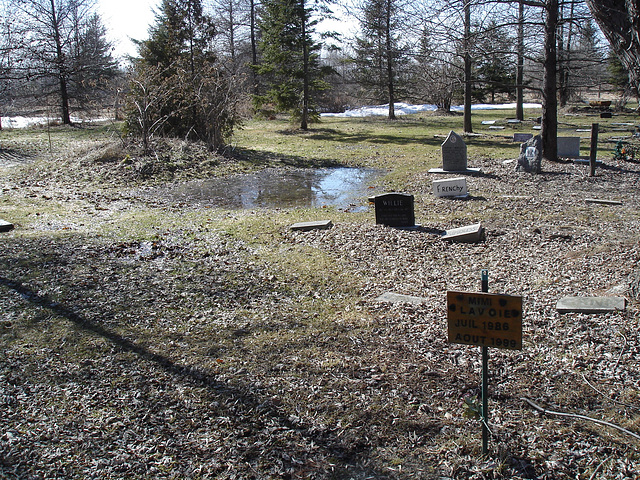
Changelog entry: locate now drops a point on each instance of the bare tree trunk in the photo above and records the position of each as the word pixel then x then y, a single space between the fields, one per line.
pixel 467 128
pixel 520 68
pixel 61 66
pixel 390 86
pixel 549 133
pixel 304 121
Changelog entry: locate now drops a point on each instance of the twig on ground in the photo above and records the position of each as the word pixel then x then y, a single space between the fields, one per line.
pixel 582 417
pixel 608 397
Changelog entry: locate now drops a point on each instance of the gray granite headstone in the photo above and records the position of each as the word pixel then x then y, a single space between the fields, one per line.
pixel 394 209
pixel 569 147
pixel 530 158
pixel 591 304
pixel 454 153
pixel 5 226
pixel 522 137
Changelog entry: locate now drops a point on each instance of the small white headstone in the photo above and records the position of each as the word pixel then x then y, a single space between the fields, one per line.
pixel 450 187
pixel 468 234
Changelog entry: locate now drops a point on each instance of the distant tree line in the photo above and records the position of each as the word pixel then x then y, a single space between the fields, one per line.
pixel 208 63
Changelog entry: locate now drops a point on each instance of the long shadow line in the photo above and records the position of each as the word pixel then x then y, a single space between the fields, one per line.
pixel 200 376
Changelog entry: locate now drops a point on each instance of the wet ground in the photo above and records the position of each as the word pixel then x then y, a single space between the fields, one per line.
pixel 345 188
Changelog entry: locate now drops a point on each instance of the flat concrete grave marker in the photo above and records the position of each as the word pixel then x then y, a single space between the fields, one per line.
pixel 394 209
pixel 450 187
pixel 469 234
pixel 591 304
pixel 569 147
pixel 522 137
pixel 317 225
pixel 391 297
pixel 5 226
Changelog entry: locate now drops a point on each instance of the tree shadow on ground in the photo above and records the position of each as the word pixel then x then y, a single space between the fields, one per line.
pixel 345 458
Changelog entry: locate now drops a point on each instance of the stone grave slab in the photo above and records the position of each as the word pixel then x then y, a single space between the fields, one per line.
pixel 522 137
pixel 5 226
pixel 450 187
pixel 591 304
pixel 391 297
pixel 469 234
pixel 602 201
pixel 395 209
pixel 316 225
pixel 569 147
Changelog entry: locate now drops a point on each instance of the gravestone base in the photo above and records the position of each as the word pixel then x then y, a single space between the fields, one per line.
pixel 468 171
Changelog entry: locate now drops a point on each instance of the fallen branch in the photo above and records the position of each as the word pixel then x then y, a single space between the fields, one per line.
pixel 582 417
pixel 607 396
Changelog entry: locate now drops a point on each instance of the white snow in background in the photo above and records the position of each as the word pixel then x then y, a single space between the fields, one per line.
pixel 405 109
pixel 24 122
pixel 371 111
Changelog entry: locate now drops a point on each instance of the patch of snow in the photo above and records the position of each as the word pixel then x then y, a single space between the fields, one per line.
pixel 405 109
pixel 25 122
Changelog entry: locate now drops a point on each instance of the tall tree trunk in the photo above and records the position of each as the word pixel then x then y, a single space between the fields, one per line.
pixel 254 47
pixel 62 68
pixel 304 121
pixel 549 132
pixel 520 67
pixel 467 128
pixel 389 50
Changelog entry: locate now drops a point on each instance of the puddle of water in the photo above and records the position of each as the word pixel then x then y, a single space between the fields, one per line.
pixel 346 188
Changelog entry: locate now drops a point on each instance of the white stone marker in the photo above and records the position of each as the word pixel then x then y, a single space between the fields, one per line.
pixel 450 187
pixel 591 304
pixel 469 234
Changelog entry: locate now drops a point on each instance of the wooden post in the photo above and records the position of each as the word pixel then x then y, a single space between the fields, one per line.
pixel 594 149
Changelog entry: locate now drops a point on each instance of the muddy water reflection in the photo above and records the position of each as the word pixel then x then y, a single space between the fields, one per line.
pixel 346 188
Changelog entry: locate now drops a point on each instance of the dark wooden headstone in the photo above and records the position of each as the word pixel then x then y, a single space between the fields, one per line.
pixel 395 210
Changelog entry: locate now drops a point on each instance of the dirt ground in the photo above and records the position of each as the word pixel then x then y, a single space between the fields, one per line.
pixel 198 354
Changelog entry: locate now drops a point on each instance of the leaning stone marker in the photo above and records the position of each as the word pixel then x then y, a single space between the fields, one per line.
pixel 394 209
pixel 5 226
pixel 591 304
pixel 451 187
pixel 468 234
pixel 530 158
pixel 306 226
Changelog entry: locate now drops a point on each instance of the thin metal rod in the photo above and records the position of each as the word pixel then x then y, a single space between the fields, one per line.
pixel 485 379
